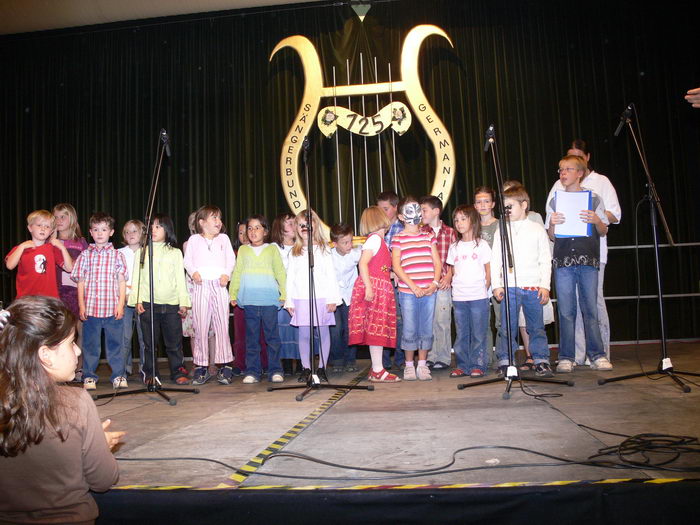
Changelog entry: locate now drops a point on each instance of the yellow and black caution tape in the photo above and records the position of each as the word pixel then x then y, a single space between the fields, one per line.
pixel 255 463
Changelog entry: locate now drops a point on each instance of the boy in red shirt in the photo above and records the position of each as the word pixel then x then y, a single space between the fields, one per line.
pixel 36 260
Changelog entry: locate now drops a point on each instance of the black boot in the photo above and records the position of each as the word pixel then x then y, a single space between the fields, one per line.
pixel 321 373
pixel 304 377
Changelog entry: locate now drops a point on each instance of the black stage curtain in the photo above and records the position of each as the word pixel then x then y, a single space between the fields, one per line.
pixel 80 112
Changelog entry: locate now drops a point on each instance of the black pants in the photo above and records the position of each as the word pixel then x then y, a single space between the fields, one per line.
pixel 166 322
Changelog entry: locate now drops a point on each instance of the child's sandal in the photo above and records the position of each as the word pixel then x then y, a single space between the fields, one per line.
pixel 458 372
pixel 528 365
pixel 383 377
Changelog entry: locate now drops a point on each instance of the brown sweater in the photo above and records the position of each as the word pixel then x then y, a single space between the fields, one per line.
pixel 50 482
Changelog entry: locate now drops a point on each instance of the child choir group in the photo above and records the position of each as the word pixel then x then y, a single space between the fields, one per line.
pixel 397 292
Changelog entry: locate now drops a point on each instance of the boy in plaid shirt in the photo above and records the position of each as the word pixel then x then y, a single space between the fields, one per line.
pixel 441 353
pixel 101 274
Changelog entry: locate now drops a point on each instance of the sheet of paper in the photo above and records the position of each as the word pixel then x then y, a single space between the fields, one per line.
pixel 570 203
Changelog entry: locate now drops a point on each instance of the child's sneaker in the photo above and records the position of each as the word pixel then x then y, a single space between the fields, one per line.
pixel 543 370
pixel 201 375
pixel 409 373
pixel 89 383
pixel 351 368
pixel 225 375
pixel 565 367
pixel 249 380
pixel 321 374
pixel 423 373
pixel 277 378
pixel 120 382
pixel 601 363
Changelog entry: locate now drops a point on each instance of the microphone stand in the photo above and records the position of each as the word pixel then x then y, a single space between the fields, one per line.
pixel 665 367
pixel 512 373
pixel 153 384
pixel 313 382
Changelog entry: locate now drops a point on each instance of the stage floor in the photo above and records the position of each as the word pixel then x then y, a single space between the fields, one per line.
pixel 404 426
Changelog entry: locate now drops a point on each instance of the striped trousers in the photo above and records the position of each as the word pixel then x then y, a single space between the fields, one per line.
pixel 210 307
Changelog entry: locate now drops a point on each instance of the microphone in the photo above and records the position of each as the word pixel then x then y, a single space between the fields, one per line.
pixel 164 138
pixel 626 114
pixel 490 134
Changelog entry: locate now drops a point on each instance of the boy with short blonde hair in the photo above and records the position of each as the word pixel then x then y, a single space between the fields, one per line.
pixel 36 259
pixel 528 280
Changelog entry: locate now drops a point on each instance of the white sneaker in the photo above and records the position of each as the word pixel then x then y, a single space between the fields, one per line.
pixel 277 378
pixel 249 380
pixel 120 382
pixel 89 384
pixel 409 373
pixel 423 373
pixel 601 363
pixel 565 367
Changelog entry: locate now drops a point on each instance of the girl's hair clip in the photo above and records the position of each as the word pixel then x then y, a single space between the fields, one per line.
pixel 4 318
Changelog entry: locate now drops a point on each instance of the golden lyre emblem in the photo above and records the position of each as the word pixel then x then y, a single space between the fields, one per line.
pixel 393 116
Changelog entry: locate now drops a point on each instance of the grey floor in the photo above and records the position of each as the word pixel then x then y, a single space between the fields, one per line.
pixel 405 426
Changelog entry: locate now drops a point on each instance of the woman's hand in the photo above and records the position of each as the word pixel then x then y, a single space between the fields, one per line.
pixel 113 438
pixel 331 307
pixel 369 295
pixel 197 278
pixel 223 280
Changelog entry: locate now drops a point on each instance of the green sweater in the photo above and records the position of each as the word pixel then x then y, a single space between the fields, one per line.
pixel 258 280
pixel 168 276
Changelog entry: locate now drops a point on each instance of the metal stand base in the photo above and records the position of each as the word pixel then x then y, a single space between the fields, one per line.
pixel 151 387
pixel 668 371
pixel 509 382
pixel 314 383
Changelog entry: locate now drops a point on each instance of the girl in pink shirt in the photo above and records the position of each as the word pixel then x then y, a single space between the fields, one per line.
pixel 209 260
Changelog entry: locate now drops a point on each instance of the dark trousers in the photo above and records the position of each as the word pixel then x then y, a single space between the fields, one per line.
pixel 341 353
pixel 166 323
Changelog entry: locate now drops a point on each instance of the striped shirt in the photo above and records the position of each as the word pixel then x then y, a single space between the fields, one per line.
pixel 101 269
pixel 416 257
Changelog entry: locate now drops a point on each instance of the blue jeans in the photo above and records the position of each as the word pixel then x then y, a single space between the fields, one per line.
pixel 399 358
pixel 417 312
pixel 255 316
pixel 472 321
pixel 583 279
pixel 129 321
pixel 341 353
pixel 92 345
pixel 532 310
pixel 166 322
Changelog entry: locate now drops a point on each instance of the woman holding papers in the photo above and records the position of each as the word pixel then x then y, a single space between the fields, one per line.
pixel 577 222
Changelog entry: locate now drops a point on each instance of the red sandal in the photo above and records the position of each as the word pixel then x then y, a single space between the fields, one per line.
pixel 458 372
pixel 382 377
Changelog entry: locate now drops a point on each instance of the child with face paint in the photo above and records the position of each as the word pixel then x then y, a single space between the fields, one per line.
pixel 417 265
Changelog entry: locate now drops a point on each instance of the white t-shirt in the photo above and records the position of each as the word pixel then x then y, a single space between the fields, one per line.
pixel 468 259
pixel 257 250
pixel 373 243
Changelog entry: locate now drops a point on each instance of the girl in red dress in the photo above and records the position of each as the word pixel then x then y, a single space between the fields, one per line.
pixel 372 318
